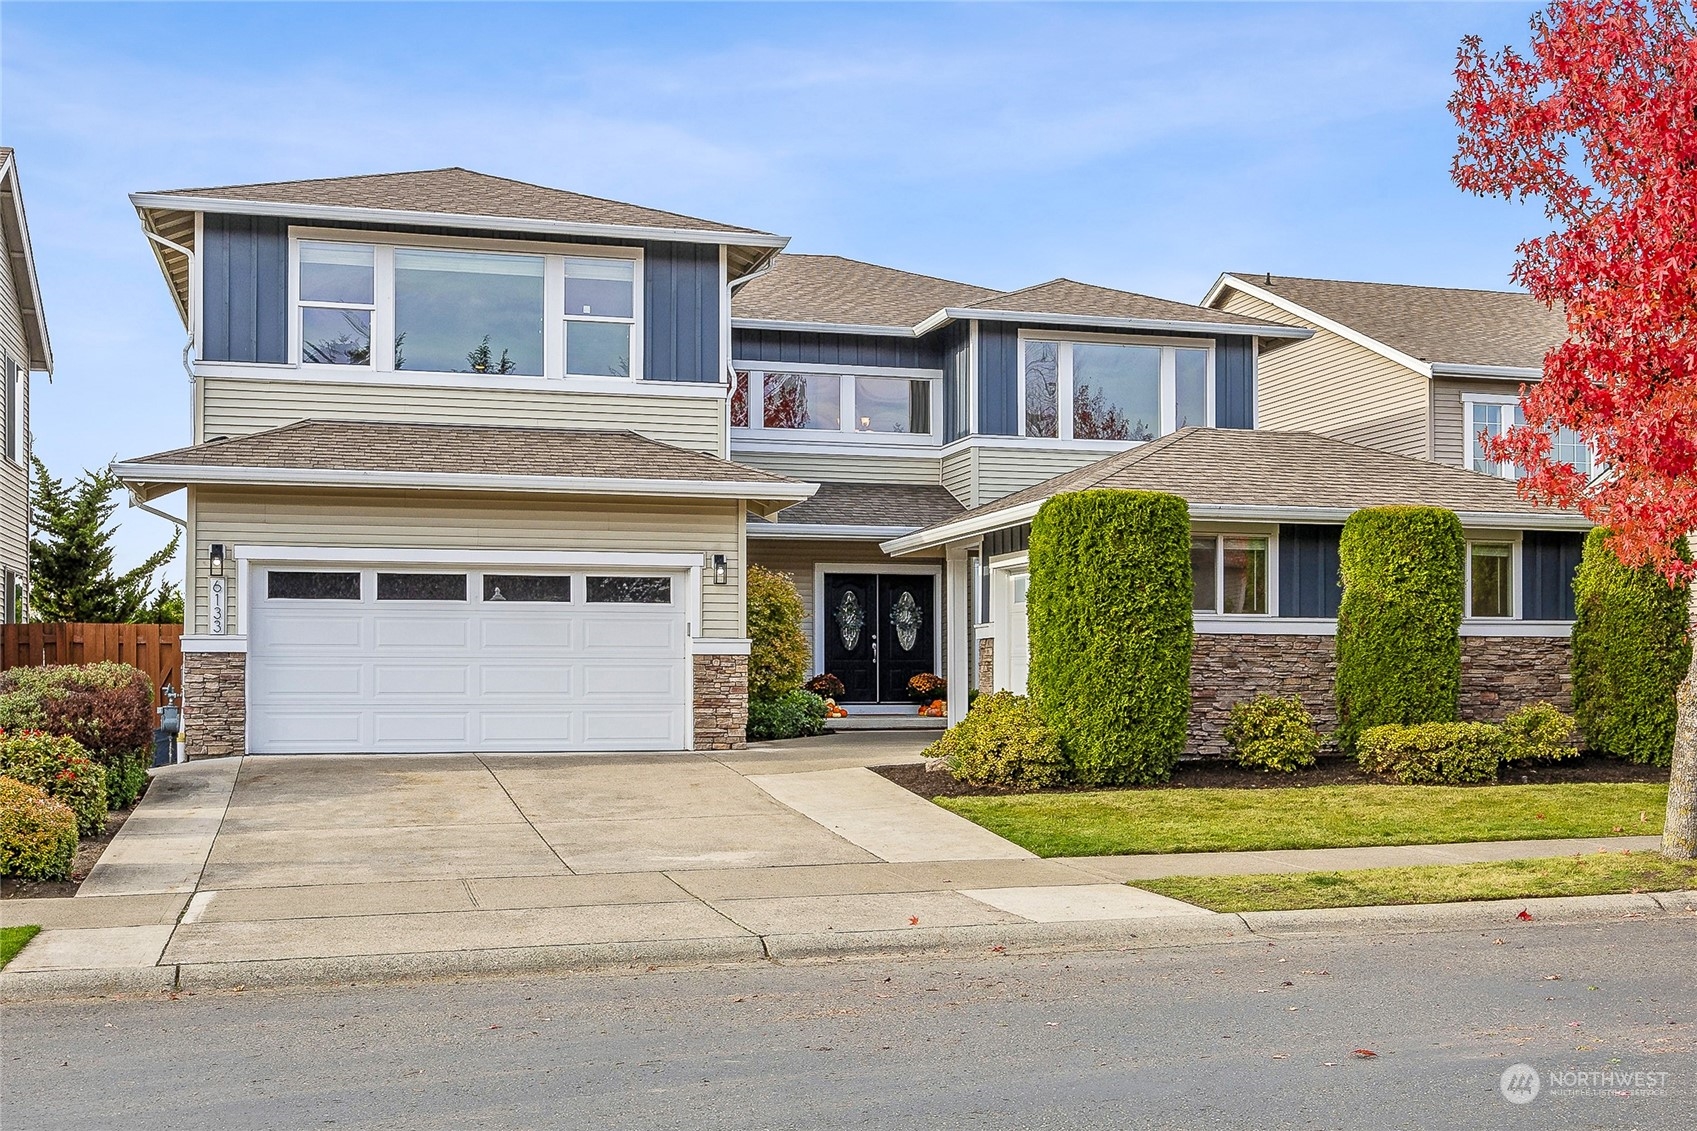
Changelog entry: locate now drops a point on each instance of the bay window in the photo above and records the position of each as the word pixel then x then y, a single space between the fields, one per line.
pixel 1494 416
pixel 866 405
pixel 1229 574
pixel 1112 390
pixel 469 309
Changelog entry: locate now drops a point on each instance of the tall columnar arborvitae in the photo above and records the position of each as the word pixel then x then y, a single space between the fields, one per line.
pixel 778 648
pixel 1631 648
pixel 71 557
pixel 1110 618
pixel 1398 642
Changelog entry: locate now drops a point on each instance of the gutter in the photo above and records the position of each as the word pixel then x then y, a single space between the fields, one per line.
pixel 826 530
pixel 1163 325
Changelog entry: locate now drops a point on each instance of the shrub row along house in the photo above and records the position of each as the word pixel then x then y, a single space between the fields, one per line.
pixel 482 465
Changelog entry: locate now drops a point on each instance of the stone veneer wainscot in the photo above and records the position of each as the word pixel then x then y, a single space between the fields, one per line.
pixel 721 702
pixel 214 704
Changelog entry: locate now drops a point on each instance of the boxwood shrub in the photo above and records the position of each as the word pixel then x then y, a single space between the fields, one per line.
pixel 797 714
pixel 1433 753
pixel 1002 743
pixel 38 835
pixel 1540 732
pixel 1274 733
pixel 1398 642
pixel 63 768
pixel 1109 609
pixel 1631 649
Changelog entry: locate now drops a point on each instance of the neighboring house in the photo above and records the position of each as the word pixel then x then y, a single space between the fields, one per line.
pixel 24 344
pixel 1420 371
pixel 1267 509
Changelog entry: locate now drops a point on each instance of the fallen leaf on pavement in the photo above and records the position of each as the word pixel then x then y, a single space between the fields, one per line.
pixel 1365 1054
pixel 913 920
pixel 1524 916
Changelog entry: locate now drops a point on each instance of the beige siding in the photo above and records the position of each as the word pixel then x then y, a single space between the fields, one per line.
pixel 14 478
pixel 960 475
pixel 1002 471
pixel 798 558
pixel 1450 436
pixel 473 522
pixel 832 467
pixel 1329 384
pixel 236 406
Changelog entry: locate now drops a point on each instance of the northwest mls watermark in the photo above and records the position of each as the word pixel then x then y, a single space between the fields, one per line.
pixel 1522 1083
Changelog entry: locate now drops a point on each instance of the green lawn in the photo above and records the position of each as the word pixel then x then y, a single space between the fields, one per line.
pixel 1597 873
pixel 12 940
pixel 1130 821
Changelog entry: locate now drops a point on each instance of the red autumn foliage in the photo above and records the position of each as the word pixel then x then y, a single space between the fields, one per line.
pixel 1599 124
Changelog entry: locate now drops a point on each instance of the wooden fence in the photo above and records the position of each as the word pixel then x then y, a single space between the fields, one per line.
pixel 154 648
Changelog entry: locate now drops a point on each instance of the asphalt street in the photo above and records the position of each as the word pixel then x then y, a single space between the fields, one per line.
pixel 1251 1034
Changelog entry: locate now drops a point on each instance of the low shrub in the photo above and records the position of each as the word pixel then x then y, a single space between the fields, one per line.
pixel 107 707
pixel 1433 753
pixel 38 835
pixel 1271 732
pixel 63 768
pixel 798 714
pixel 927 688
pixel 826 686
pixel 126 778
pixel 1003 743
pixel 1540 732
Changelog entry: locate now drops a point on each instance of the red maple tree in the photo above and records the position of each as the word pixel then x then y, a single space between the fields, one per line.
pixel 1598 123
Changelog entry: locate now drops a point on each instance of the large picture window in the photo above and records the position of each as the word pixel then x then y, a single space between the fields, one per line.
pixel 865 405
pixel 1100 390
pixel 425 309
pixel 1496 416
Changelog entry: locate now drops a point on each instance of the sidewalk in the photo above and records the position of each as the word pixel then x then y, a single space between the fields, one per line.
pixel 181 900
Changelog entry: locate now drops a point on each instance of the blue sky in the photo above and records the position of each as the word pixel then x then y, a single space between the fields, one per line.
pixel 1141 146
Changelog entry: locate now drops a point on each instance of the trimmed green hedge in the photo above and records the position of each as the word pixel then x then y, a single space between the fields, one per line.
pixel 1110 614
pixel 1434 753
pixel 1630 652
pixel 795 714
pixel 1398 643
pixel 1272 733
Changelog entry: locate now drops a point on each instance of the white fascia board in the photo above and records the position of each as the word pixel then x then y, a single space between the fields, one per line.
pixel 1500 372
pixel 143 200
pixel 205 643
pixel 456 481
pixel 823 327
pixel 459 556
pixel 835 531
pixel 30 284
pixel 968 525
pixel 1320 320
pixel 1101 321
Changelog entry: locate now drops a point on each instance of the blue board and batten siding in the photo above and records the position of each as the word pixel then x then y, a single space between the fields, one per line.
pixel 998 381
pixel 1548 561
pixel 1309 585
pixel 245 294
pixel 810 348
pixel 957 380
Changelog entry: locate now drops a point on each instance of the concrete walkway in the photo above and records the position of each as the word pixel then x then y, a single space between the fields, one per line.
pixel 299 869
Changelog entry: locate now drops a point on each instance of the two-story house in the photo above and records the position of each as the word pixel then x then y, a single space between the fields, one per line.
pixel 25 349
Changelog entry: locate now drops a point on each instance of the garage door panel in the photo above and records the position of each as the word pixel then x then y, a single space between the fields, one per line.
pixel 631 681
pixel 437 730
pixel 317 680
pixel 632 633
pixel 309 729
pixel 525 729
pixel 395 680
pixel 404 632
pixel 315 630
pixel 511 679
pixel 632 730
pixel 550 632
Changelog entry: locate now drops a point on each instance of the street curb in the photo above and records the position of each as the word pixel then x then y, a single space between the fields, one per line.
pixel 1003 938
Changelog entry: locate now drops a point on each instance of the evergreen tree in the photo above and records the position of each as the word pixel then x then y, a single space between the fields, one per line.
pixel 71 556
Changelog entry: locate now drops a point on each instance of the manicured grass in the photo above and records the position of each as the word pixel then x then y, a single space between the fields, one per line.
pixel 1130 821
pixel 1598 873
pixel 12 940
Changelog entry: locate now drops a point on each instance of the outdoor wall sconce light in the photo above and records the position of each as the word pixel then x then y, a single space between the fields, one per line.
pixel 721 571
pixel 217 559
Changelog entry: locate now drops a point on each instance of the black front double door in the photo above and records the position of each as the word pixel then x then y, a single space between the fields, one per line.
pixel 879 632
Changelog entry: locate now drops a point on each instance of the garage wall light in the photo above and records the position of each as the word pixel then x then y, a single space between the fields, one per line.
pixel 217 559
pixel 721 571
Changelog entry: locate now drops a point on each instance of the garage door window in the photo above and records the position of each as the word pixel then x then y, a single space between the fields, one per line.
pixel 421 587
pixel 629 590
pixel 527 587
pixel 307 585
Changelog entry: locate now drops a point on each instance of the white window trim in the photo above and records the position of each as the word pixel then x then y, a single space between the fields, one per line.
pixel 1469 433
pixel 554 317
pixel 1219 534
pixel 1493 538
pixel 757 430
pixel 1169 379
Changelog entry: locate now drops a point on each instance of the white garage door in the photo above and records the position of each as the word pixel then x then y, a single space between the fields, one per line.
pixel 344 659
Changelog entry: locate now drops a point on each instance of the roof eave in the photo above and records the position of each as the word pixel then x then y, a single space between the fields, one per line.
pixel 1107 322
pixel 25 282
pixel 783 324
pixel 1497 372
pixel 852 532
pixel 171 202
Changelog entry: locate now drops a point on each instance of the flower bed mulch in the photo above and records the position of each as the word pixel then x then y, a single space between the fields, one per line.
pixel 89 849
pixel 1330 771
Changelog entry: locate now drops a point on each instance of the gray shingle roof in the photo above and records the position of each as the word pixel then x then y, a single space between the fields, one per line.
pixel 1064 296
pixel 874 504
pixel 1447 325
pixel 837 291
pixel 1229 467
pixel 458 192
pixel 468 449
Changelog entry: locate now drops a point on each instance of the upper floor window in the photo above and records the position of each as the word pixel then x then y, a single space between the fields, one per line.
pixel 1495 416
pixel 428 309
pixel 1113 390
pixel 881 405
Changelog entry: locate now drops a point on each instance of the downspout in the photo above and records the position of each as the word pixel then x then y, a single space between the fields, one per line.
pixel 135 501
pixel 188 346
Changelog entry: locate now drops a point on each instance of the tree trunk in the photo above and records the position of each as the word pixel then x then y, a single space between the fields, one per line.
pixel 1679 835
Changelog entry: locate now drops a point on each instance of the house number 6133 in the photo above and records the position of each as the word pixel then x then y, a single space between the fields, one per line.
pixel 216 606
